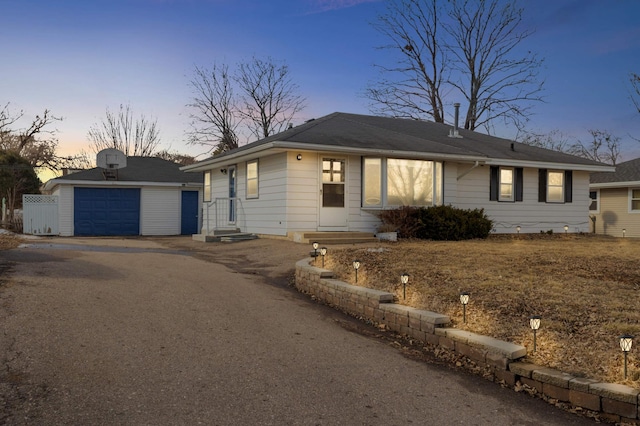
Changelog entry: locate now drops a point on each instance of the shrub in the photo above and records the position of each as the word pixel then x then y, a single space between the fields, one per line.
pixel 438 223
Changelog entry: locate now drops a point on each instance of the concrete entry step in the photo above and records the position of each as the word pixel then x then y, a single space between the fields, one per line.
pixel 334 237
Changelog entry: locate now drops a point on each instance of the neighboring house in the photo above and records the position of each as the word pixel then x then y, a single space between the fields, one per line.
pixel 148 196
pixel 615 200
pixel 337 172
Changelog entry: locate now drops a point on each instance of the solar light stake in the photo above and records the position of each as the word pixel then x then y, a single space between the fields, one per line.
pixel 356 266
pixel 624 231
pixel 518 228
pixel 464 299
pixel 315 250
pixel 404 279
pixel 534 322
pixel 566 228
pixel 626 341
pixel 323 253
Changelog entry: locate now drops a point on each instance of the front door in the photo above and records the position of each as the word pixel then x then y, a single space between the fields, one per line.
pixel 333 208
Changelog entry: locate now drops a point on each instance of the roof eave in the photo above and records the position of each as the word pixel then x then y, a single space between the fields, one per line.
pixel 552 165
pixel 614 184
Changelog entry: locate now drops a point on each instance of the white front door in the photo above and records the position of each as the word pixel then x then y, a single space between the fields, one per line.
pixel 333 199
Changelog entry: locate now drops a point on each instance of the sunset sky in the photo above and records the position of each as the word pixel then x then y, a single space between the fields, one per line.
pixel 78 57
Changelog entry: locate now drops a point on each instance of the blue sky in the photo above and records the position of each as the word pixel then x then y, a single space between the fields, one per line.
pixel 77 57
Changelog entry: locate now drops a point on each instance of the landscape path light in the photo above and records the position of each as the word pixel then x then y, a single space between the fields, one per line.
pixel 624 231
pixel 626 341
pixel 404 279
pixel 518 228
pixel 534 323
pixel 464 299
pixel 356 266
pixel 566 228
pixel 315 246
pixel 323 253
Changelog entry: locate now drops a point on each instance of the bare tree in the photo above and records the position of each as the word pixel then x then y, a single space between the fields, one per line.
pixel 139 137
pixel 270 98
pixel 413 28
pixel 603 147
pixel 214 116
pixel 467 46
pixel 554 140
pixel 37 142
pixel 182 159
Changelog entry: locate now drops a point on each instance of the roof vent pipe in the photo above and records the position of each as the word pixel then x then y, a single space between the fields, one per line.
pixel 454 133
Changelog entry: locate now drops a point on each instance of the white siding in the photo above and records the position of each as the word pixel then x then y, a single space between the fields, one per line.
pixel 267 213
pixel 65 209
pixel 614 214
pixel 160 211
pixel 531 215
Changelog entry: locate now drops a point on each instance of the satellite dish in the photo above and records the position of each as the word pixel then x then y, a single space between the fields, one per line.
pixel 111 158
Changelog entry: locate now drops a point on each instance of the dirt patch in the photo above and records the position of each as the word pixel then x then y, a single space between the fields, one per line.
pixel 585 289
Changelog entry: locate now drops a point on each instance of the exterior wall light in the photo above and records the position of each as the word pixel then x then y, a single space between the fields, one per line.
pixel 534 323
pixel 404 279
pixel 356 266
pixel 464 299
pixel 626 341
pixel 299 157
pixel 323 253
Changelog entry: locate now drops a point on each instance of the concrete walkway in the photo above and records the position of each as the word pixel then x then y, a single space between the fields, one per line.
pixel 124 337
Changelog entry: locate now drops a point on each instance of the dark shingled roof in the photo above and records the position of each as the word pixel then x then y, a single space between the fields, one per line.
pixel 629 171
pixel 404 135
pixel 141 169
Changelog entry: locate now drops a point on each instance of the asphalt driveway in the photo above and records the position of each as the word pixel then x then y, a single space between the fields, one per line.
pixel 161 332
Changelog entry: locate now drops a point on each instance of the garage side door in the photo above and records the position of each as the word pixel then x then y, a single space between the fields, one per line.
pixel 106 211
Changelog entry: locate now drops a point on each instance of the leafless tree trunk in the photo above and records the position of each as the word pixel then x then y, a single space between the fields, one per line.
pixel 465 46
pixel 135 138
pixel 214 117
pixel 413 28
pixel 270 98
pixel 604 147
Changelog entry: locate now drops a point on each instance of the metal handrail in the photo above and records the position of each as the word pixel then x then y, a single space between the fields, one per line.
pixel 223 214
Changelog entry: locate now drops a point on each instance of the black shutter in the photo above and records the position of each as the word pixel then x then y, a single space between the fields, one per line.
pixel 519 183
pixel 542 185
pixel 493 184
pixel 568 186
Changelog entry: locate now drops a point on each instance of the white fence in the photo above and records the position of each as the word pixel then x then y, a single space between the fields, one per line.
pixel 40 214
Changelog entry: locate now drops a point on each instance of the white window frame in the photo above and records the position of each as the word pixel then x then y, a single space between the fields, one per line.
pixel 256 178
pixel 206 196
pixel 437 180
pixel 561 186
pixel 631 199
pixel 597 201
pixel 511 197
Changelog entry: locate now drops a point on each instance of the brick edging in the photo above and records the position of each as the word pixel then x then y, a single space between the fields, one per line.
pixel 613 402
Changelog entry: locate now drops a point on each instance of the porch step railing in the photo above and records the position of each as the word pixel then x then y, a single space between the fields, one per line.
pixel 223 213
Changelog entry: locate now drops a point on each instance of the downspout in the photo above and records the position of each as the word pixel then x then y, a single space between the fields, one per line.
pixel 476 164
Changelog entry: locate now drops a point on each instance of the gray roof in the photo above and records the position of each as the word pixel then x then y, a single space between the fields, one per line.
pixel 140 169
pixel 403 135
pixel 629 171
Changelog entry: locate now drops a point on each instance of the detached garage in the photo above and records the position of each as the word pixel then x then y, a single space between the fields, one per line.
pixel 131 196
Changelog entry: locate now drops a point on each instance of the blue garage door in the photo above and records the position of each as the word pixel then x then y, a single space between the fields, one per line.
pixel 106 211
pixel 189 218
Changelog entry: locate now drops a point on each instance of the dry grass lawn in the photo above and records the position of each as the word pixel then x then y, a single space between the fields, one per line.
pixel 585 288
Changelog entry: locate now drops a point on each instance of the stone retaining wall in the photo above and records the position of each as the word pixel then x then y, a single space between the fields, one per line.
pixel 501 359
